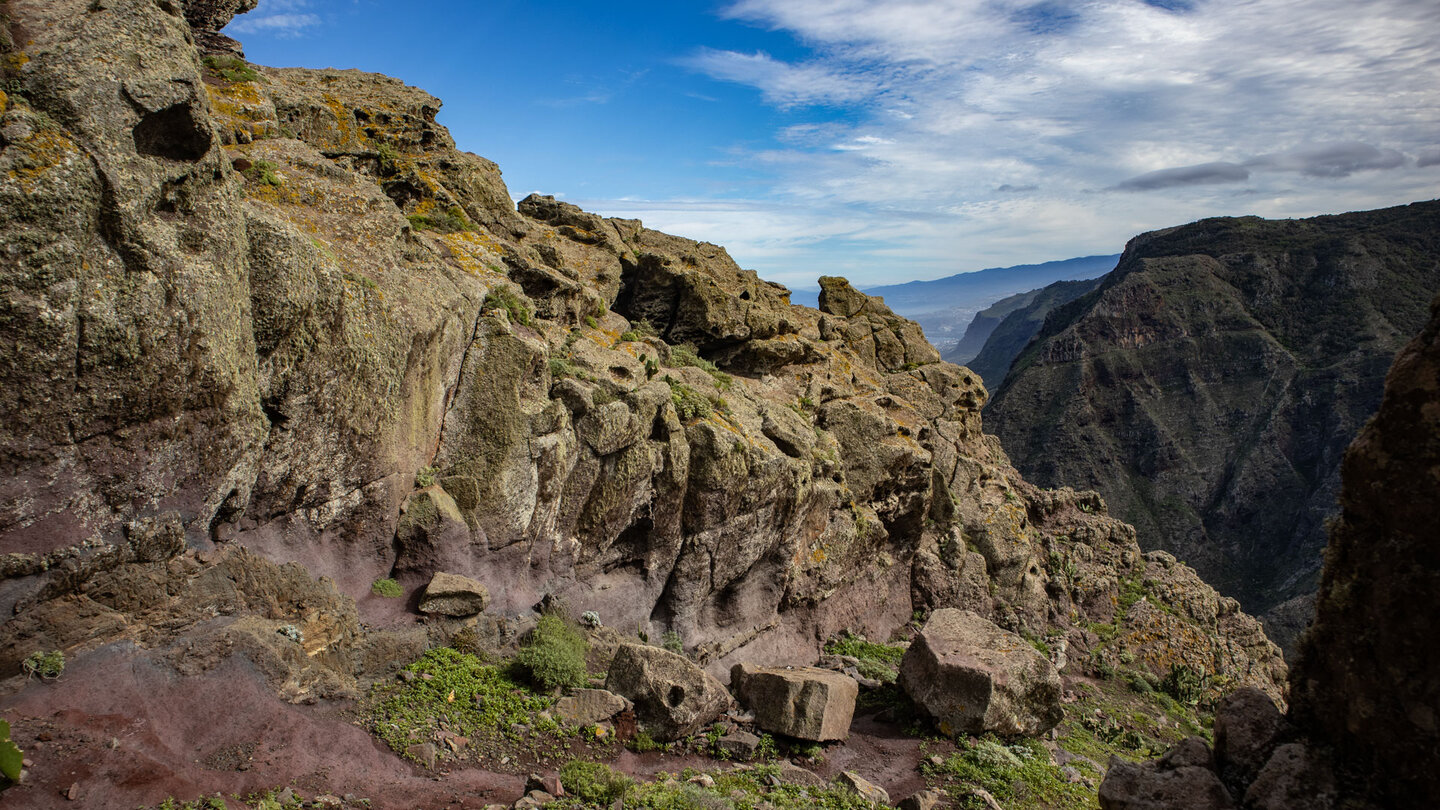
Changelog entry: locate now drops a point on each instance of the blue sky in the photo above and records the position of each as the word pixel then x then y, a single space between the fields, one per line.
pixel 889 140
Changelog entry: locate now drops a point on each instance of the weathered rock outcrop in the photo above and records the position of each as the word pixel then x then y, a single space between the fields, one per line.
pixel 1361 731
pixel 673 698
pixel 1002 330
pixel 975 678
pixel 283 316
pixel 1209 387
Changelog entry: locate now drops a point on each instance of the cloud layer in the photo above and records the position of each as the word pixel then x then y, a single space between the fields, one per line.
pixel 1006 117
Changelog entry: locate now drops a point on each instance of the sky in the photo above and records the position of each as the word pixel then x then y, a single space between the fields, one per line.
pixel 892 140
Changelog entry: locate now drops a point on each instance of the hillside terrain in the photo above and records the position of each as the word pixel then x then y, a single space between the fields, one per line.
pixel 1001 331
pixel 1209 387
pixel 332 476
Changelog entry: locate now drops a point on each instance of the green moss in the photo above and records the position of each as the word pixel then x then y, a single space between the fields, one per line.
pixel 388 588
pixel 265 172
pixel 878 661
pixel 554 654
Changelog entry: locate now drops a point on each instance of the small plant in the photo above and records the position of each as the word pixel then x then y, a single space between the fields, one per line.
pixel 231 69
pixel 388 158
pixel 291 632
pixel 689 403
pixel 451 220
pixel 425 477
pixel 878 661
pixel 767 750
pixel 265 172
pixel 506 299
pixel 590 619
pixel 673 642
pixel 12 759
pixel 643 743
pixel 388 588
pixel 591 322
pixel 554 654
pixel 1185 684
pixel 46 666
pixel 594 783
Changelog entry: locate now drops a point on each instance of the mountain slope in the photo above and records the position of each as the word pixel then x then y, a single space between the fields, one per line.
pixel 999 333
pixel 1211 384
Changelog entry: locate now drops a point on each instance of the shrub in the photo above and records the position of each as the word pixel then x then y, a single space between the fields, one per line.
pixel 231 69
pixel 266 172
pixel 506 299
pixel 451 220
pixel 594 783
pixel 672 642
pixel 554 654
pixel 425 477
pixel 47 665
pixel 1184 684
pixel 388 588
pixel 590 618
pixel 689 403
pixel 878 661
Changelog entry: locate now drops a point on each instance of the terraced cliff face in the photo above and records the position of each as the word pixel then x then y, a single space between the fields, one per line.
pixel 1006 327
pixel 259 316
pixel 1210 386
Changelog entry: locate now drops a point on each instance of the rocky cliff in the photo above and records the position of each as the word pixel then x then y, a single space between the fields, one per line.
pixel 1210 386
pixel 999 333
pixel 269 337
pixel 1361 731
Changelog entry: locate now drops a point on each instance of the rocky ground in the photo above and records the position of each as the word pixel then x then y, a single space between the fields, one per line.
pixel 280 363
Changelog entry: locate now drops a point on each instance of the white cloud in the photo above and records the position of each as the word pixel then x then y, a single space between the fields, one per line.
pixel 286 18
pixel 1273 107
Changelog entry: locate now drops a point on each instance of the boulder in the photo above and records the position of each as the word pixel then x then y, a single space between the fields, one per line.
pixel 451 595
pixel 1247 728
pixel 864 788
pixel 673 698
pixel 973 677
pixel 1293 777
pixel 1158 786
pixel 803 702
pixel 586 707
pixel 738 745
pixel 927 799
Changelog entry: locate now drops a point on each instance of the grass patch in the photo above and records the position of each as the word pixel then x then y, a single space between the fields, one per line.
pixel 638 330
pixel 745 788
pixel 455 691
pixel 265 172
pixel 685 355
pixel 878 661
pixel 1020 776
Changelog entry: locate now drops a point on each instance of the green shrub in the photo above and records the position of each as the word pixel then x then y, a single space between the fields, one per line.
pixel 673 642
pixel 388 588
pixel 554 654
pixel 451 220
pixel 266 172
pixel 689 403
pixel 591 322
pixel 425 477
pixel 46 665
pixel 514 306
pixel 594 783
pixel 643 743
pixel 231 69
pixel 1184 684
pixel 878 661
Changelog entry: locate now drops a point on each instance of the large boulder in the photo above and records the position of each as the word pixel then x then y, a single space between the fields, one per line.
pixel 1248 726
pixel 1180 780
pixel 803 702
pixel 673 697
pixel 973 677
pixel 451 595
pixel 586 707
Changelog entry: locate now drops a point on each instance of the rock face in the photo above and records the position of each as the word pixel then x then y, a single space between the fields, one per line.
pixel 973 677
pixel 282 316
pixel 1004 329
pixel 673 698
pixel 1183 779
pixel 1208 389
pixel 1360 732
pixel 802 702
pixel 1366 682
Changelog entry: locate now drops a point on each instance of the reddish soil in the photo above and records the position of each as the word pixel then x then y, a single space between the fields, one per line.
pixel 121 730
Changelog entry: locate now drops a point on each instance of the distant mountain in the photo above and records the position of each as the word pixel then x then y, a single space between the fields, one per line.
pixel 999 332
pixel 1209 386
pixel 944 307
